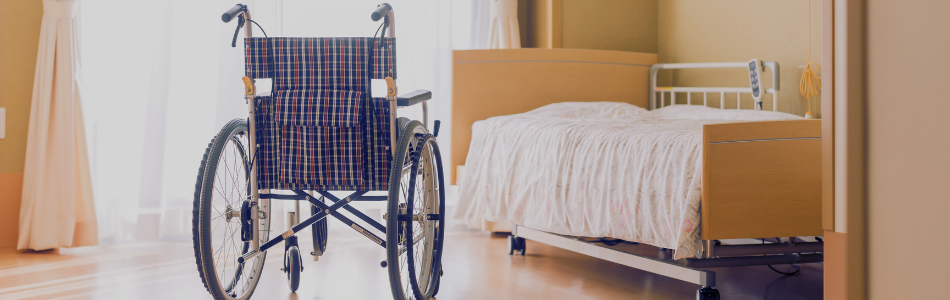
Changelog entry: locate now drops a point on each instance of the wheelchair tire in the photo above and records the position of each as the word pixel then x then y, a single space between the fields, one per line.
pixel 220 190
pixel 414 240
pixel 438 282
pixel 293 269
pixel 319 231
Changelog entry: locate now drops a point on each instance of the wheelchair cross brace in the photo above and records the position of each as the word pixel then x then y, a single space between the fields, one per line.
pixel 352 210
pixel 325 211
pixel 301 195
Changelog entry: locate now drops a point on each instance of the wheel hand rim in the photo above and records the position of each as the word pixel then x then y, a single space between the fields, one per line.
pixel 421 201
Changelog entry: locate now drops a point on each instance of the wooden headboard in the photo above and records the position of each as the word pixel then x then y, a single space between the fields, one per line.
pixel 488 83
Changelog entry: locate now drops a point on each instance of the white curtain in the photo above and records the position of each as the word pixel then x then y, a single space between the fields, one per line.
pixel 495 24
pixel 57 207
pixel 164 79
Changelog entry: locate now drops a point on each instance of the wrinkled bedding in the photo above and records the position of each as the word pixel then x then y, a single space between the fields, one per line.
pixel 595 169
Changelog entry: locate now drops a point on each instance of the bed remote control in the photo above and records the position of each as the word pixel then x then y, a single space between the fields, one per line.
pixel 755 80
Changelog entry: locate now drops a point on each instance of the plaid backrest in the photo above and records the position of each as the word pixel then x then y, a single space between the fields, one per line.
pixel 320 129
pixel 300 62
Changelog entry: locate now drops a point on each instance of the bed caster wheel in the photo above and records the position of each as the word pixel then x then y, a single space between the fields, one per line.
pixel 707 294
pixel 293 267
pixel 516 244
pixel 522 245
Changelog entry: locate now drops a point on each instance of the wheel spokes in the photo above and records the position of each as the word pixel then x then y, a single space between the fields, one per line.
pixel 229 191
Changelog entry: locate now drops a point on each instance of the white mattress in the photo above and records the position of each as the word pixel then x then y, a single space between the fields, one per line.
pixel 601 169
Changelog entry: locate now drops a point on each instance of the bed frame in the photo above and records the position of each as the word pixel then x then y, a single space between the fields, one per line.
pixel 760 179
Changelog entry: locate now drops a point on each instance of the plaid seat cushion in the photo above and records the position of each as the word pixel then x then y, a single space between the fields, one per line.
pixel 320 130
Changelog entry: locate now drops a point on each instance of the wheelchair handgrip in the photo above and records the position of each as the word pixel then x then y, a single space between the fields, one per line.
pixel 233 12
pixel 381 11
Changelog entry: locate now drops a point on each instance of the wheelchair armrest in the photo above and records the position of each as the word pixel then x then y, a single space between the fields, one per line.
pixel 413 98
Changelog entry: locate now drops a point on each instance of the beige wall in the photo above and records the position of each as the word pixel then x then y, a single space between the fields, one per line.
pixel 739 30
pixel 908 144
pixel 624 25
pixel 19 33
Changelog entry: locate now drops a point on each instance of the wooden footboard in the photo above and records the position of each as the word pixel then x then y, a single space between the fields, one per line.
pixel 761 179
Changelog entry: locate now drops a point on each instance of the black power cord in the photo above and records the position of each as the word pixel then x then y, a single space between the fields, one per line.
pixel 797 271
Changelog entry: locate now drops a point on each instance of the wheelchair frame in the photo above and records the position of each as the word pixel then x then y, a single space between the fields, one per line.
pixel 326 210
pixel 314 147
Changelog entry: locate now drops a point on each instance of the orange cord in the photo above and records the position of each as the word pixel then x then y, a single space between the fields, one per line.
pixel 810 84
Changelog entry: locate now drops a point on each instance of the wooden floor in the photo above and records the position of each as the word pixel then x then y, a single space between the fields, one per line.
pixel 476 267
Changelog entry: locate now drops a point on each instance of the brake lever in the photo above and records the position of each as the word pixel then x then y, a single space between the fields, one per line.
pixel 237 30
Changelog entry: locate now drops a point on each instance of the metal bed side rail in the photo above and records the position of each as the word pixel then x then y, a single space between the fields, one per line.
pixel 772 66
pixel 666 268
pixel 685 269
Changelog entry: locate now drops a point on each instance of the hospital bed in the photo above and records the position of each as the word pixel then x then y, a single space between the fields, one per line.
pixel 760 180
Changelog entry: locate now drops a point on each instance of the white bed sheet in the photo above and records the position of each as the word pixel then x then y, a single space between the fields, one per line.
pixel 595 169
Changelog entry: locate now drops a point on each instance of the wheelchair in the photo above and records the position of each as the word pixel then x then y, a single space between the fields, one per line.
pixel 319 129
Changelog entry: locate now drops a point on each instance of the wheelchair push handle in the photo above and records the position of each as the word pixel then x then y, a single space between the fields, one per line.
pixel 233 12
pixel 381 11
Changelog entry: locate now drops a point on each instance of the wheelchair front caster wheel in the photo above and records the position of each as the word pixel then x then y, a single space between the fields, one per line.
pixel 293 267
pixel 707 294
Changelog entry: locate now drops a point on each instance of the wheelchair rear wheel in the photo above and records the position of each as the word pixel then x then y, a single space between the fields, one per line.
pixel 319 232
pixel 220 192
pixel 415 215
